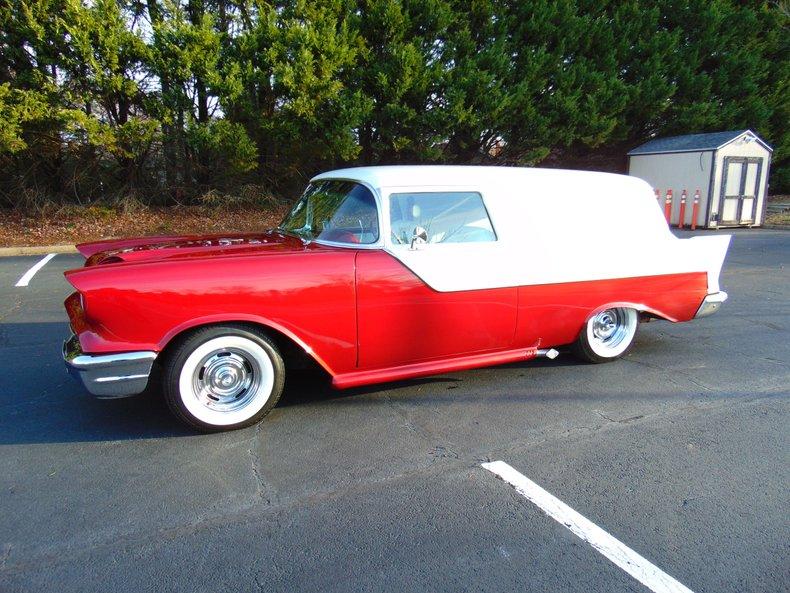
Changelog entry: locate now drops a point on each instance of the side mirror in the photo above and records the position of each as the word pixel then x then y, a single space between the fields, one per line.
pixel 419 237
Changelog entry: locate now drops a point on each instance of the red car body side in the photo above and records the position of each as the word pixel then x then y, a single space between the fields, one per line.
pixel 403 321
pixel 361 314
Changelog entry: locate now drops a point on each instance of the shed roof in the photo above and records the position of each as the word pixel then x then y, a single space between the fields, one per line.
pixel 693 142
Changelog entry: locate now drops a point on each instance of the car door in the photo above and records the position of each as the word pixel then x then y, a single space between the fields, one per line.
pixel 433 299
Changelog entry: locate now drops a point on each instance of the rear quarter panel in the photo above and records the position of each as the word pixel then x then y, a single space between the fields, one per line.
pixel 556 313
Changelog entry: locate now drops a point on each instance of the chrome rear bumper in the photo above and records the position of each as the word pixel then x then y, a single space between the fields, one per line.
pixel 108 375
pixel 711 304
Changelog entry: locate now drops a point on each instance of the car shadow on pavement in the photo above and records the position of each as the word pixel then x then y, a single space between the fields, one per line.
pixel 41 403
pixel 314 385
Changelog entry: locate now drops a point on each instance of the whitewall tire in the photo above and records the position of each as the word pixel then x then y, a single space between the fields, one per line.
pixel 223 377
pixel 607 335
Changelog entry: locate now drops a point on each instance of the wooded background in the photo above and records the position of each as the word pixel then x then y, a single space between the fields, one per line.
pixel 169 100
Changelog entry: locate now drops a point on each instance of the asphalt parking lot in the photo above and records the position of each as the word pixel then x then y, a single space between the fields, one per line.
pixel 680 451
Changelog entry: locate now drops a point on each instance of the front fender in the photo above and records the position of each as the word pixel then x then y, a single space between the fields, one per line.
pixel 309 297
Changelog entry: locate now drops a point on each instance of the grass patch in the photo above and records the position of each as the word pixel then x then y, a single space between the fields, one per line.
pixel 778 218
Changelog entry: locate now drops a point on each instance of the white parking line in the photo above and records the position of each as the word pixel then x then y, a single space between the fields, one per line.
pixel 638 567
pixel 25 280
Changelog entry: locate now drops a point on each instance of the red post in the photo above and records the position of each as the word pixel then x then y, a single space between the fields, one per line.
pixel 668 206
pixel 658 194
pixel 695 211
pixel 682 217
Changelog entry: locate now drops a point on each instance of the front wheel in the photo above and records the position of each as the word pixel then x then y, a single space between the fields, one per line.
pixel 607 335
pixel 223 377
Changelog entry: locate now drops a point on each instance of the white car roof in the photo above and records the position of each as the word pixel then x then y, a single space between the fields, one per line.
pixel 552 226
pixel 454 175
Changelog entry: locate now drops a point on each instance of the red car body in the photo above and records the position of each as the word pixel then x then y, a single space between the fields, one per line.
pixel 358 313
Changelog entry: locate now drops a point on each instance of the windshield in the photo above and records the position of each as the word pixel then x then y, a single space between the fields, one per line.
pixel 334 210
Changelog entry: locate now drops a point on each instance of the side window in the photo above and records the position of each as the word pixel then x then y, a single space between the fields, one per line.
pixel 447 217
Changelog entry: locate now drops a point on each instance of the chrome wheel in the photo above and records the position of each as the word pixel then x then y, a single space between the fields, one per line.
pixel 226 380
pixel 610 332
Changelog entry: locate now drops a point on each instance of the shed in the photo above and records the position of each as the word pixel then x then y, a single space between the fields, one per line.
pixel 730 169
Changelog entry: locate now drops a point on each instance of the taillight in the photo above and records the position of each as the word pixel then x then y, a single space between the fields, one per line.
pixel 75 309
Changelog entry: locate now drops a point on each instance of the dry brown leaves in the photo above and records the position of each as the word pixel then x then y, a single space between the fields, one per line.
pixel 76 225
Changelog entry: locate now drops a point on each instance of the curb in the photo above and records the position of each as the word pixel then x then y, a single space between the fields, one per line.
pixel 37 250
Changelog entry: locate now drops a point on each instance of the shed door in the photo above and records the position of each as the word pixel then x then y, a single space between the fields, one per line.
pixel 739 188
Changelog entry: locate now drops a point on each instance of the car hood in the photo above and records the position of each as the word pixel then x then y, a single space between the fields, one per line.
pixel 187 246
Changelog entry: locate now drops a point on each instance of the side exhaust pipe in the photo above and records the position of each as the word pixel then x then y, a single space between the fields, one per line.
pixel 549 353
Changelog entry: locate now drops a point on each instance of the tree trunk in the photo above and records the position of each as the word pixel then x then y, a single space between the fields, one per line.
pixel 169 148
pixel 196 11
pixel 366 142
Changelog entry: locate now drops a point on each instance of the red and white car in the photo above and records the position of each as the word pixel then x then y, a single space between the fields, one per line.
pixel 385 273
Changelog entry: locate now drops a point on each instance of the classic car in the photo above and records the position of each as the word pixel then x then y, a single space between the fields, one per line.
pixel 386 273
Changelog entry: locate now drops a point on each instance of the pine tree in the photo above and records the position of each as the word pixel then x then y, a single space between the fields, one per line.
pixel 176 97
pixel 401 75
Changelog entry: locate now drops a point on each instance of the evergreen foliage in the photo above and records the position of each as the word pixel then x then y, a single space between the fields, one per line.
pixel 169 99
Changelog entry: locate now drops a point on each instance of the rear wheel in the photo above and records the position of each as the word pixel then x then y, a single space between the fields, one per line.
pixel 607 335
pixel 223 377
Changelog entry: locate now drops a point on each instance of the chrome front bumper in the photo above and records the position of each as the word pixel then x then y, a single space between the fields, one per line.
pixel 108 376
pixel 711 304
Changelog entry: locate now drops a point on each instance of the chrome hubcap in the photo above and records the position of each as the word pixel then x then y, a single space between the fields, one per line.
pixel 611 327
pixel 226 380
pixel 605 324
